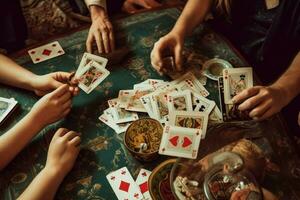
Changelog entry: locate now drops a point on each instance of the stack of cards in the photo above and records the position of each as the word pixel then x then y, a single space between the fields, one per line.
pixel 234 81
pixel 91 72
pixel 6 107
pixel 125 187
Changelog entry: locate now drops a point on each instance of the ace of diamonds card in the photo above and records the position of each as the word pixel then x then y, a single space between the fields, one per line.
pixel 180 142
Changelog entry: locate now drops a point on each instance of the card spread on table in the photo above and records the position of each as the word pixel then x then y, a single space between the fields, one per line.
pixel 46 52
pixel 120 115
pixel 235 81
pixel 86 58
pixel 142 182
pixel 190 119
pixel 202 104
pixel 6 107
pixel 180 142
pixel 123 185
pixel 180 101
pixel 91 76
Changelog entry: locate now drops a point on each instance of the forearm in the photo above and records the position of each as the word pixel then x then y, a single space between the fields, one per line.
pixel 44 185
pixel 13 74
pixel 289 81
pixel 193 14
pixel 14 140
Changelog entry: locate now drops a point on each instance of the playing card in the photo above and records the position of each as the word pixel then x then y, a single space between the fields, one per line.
pixel 124 97
pixel 6 106
pixel 107 118
pixel 123 185
pixel 134 103
pixel 202 104
pixel 86 58
pixel 180 142
pixel 91 76
pixel 235 81
pixel 146 101
pixel 189 119
pixel 120 115
pixel 180 101
pixel 142 182
pixel 46 52
pixel 215 116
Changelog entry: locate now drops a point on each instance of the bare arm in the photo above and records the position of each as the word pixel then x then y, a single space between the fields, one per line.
pixel 264 101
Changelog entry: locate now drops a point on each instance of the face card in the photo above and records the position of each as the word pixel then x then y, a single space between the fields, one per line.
pixel 6 106
pixel 107 118
pixel 215 116
pixel 180 142
pixel 46 52
pixel 142 182
pixel 91 76
pixel 134 103
pixel 123 185
pixel 235 81
pixel 180 101
pixel 86 58
pixel 120 115
pixel 193 120
pixel 124 97
pixel 202 104
pixel 146 101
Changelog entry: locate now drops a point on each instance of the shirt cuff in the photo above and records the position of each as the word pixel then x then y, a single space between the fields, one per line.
pixel 101 3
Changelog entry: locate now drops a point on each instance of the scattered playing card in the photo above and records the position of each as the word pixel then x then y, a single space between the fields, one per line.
pixel 46 52
pixel 107 118
pixel 142 182
pixel 91 76
pixel 6 107
pixel 202 104
pixel 180 101
pixel 180 142
pixel 189 119
pixel 123 185
pixel 120 115
pixel 235 81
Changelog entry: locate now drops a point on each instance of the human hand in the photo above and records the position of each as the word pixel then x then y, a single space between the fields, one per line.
pixel 52 107
pixel 63 151
pixel 129 6
pixel 171 43
pixel 101 31
pixel 45 84
pixel 261 101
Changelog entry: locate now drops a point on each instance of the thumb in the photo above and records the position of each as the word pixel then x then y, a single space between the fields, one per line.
pixel 178 57
pixel 60 90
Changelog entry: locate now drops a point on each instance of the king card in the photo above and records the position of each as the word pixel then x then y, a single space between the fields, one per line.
pixel 91 76
pixel 180 142
pixel 123 185
pixel 86 58
pixel 235 81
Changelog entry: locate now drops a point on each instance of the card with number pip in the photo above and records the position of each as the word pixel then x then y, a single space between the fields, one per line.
pixel 180 142
pixel 46 52
pixel 123 185
pixel 142 182
pixel 235 81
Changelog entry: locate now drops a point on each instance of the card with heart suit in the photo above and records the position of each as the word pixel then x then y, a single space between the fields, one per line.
pixel 180 101
pixel 46 52
pixel 123 185
pixel 235 81
pixel 86 58
pixel 189 119
pixel 180 142
pixel 142 182
pixel 121 115
pixel 91 76
pixel 202 104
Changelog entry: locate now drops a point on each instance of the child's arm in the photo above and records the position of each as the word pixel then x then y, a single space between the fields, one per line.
pixel 63 151
pixel 13 74
pixel 52 107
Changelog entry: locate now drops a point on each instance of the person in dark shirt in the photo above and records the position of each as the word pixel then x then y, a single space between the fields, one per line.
pixel 267 34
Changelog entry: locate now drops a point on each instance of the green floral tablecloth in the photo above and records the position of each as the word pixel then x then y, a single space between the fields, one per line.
pixel 103 150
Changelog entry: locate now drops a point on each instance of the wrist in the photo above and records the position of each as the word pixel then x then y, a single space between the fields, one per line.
pixel 283 92
pixel 97 11
pixel 53 174
pixel 180 32
pixel 31 81
pixel 34 120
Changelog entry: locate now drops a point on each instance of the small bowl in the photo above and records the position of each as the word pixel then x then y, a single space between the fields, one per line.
pixel 145 130
pixel 214 68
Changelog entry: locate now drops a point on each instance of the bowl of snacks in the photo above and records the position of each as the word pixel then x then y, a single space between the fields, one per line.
pixel 213 68
pixel 142 138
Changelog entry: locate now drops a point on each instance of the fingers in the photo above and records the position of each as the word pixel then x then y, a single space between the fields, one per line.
pixel 70 135
pixel 65 97
pixel 129 7
pixel 178 57
pixel 156 57
pixel 98 38
pixel 105 38
pixel 75 141
pixel 245 94
pixel 66 105
pixel 111 37
pixel 257 112
pixel 251 102
pixel 60 132
pixel 60 91
pixel 89 42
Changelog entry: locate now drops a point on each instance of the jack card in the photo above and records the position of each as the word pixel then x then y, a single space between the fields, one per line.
pixel 235 81
pixel 180 142
pixel 123 185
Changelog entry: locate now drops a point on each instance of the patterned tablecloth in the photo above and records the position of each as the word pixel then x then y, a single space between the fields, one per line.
pixel 103 150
